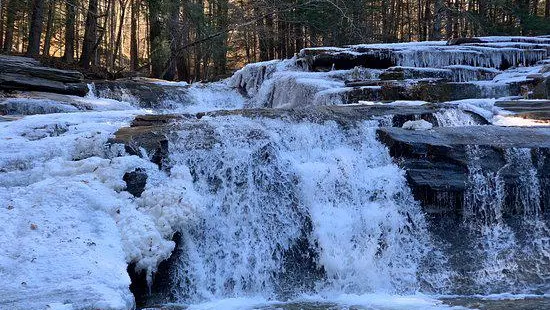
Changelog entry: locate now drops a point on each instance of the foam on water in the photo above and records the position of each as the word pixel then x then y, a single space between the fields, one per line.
pixel 503 219
pixel 272 191
pixel 454 118
pixel 342 301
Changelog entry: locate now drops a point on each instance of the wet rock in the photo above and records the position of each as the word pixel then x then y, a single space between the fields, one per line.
pixel 542 89
pixel 345 115
pixel 425 90
pixel 436 161
pixel 459 41
pixel 347 60
pixel 31 103
pixel 538 110
pixel 21 73
pixel 418 73
pixel 147 295
pixel 147 93
pixel 148 137
pixel 469 52
pixel 135 181
pixel 392 75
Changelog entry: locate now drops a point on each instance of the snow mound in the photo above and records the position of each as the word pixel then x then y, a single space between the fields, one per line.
pixel 69 228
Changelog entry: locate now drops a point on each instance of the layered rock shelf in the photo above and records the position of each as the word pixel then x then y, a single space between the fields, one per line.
pixel 434 157
pixel 438 161
pixel 353 84
pixel 21 73
pixel 492 67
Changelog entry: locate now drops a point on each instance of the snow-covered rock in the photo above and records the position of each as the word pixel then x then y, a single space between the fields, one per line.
pixel 417 125
pixel 69 229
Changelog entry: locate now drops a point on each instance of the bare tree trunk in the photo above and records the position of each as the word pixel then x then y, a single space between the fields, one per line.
pixel 2 23
pixel 175 36
pixel 456 21
pixel 439 13
pixel 427 19
pixel 263 44
pixel 122 4
pixel 12 11
pixel 220 50
pixel 35 31
pixel 523 12
pixel 68 54
pixel 49 30
pixel 90 35
pixel 270 38
pixel 155 39
pixel 134 59
pixel 534 7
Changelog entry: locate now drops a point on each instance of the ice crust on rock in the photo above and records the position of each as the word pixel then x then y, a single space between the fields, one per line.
pixel 69 228
pixel 417 125
pixel 490 69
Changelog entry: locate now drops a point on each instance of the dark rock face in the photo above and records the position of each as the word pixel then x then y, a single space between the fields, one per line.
pixel 346 61
pixel 21 73
pixel 135 181
pixel 151 133
pixel 426 90
pixel 147 295
pixel 147 92
pixel 437 161
pixel 417 73
pixel 459 41
pixel 542 88
pixel 538 110
pixel 148 135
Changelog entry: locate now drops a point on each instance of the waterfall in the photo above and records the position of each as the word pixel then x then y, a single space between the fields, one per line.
pixel 508 238
pixel 291 208
pixel 454 118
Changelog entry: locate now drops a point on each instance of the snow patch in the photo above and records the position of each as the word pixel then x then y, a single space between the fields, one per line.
pixel 417 125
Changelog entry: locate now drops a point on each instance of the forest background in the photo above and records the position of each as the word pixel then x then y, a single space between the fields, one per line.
pixel 191 40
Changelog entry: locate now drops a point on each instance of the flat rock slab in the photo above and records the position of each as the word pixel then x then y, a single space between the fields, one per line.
pixel 430 90
pixel 538 110
pixel 524 105
pixel 437 161
pixel 148 93
pixel 493 136
pixel 151 133
pixel 27 74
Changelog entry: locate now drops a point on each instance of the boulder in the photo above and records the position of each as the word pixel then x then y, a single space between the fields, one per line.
pixel 148 136
pixel 541 90
pixel 135 181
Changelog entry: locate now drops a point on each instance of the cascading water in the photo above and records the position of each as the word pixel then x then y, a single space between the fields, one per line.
pixel 454 118
pixel 295 208
pixel 508 239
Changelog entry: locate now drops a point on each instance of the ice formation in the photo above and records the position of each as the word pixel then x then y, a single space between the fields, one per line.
pixel 255 199
pixel 417 125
